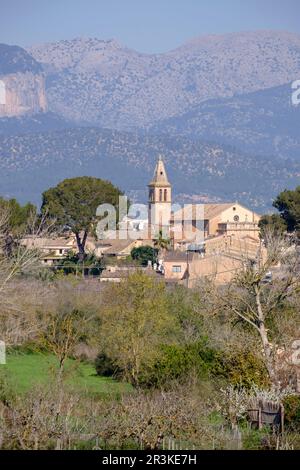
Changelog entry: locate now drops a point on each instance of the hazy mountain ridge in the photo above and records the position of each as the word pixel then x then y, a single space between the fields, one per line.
pixel 110 85
pixel 32 124
pixel 14 59
pixel 263 123
pixel 32 162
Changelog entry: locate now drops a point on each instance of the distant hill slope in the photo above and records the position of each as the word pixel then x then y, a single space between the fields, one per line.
pixel 31 163
pixel 35 123
pixel 14 59
pixel 263 123
pixel 109 85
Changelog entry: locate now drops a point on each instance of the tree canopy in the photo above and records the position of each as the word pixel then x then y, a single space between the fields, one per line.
pixel 162 243
pixel 135 321
pixel 288 204
pixel 17 215
pixel 273 221
pixel 143 254
pixel 73 204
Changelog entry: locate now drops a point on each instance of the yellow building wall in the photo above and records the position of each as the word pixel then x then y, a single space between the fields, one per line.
pixel 244 214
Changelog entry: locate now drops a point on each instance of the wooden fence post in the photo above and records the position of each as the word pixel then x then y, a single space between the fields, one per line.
pixel 259 419
pixel 282 418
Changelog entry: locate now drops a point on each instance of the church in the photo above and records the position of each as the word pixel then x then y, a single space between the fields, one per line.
pixel 202 221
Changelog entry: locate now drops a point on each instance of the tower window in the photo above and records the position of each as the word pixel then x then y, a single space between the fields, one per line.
pixel 165 195
pixel 160 195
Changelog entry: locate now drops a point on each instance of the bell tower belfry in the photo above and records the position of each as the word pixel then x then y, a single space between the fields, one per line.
pixel 160 201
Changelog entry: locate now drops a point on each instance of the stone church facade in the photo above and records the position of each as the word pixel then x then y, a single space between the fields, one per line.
pixel 205 221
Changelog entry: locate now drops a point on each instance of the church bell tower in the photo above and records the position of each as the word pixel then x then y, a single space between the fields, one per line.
pixel 160 201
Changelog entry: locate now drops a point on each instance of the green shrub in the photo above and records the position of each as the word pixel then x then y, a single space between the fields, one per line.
pixel 143 254
pixel 242 368
pixel 105 367
pixel 292 411
pixel 71 264
pixel 175 362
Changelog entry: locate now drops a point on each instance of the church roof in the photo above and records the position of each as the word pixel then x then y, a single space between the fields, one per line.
pixel 160 177
pixel 212 210
pixel 209 210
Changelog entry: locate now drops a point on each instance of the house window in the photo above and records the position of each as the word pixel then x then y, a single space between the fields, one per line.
pixel 176 269
pixel 160 195
pixel 166 195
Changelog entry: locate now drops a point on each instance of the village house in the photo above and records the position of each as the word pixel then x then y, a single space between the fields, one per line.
pixel 53 249
pixel 189 267
pixel 111 248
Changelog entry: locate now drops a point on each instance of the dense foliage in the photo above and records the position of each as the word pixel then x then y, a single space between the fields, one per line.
pixel 288 204
pixel 73 204
pixel 144 254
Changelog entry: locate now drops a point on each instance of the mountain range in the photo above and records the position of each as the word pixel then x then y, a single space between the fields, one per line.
pixel 199 171
pixel 264 122
pixel 109 85
pixel 219 108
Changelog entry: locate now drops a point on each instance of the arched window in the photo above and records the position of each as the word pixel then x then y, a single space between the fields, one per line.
pixel 165 195
pixel 2 93
pixel 160 195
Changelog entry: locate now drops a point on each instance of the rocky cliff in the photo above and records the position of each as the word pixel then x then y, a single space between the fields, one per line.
pixel 22 83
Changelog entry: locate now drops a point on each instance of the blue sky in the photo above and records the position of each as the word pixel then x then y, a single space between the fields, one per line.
pixel 144 25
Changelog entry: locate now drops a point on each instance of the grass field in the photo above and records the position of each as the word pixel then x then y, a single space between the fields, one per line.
pixel 24 371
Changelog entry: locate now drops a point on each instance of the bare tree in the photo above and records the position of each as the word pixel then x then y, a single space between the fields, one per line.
pixel 64 328
pixel 163 419
pixel 17 257
pixel 254 298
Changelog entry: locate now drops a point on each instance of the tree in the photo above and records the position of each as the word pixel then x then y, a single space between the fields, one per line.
pixel 63 331
pixel 256 302
pixel 73 204
pixel 18 222
pixel 162 243
pixel 71 264
pixel 274 222
pixel 18 215
pixel 15 258
pixel 143 254
pixel 288 204
pixel 135 322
